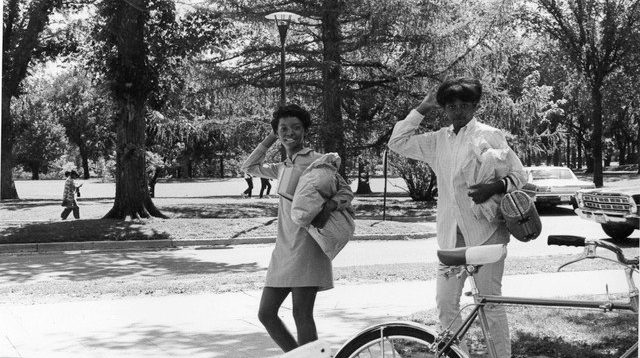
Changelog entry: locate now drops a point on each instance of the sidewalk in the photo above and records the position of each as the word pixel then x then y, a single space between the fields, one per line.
pixel 225 325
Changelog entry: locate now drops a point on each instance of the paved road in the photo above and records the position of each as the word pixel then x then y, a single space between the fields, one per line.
pixel 224 325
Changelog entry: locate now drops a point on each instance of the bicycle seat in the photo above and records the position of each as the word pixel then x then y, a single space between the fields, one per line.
pixel 475 255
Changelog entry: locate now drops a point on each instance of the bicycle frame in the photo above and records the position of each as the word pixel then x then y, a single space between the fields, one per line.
pixel 481 300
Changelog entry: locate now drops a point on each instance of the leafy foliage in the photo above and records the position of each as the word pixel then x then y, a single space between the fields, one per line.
pixel 40 138
pixel 420 179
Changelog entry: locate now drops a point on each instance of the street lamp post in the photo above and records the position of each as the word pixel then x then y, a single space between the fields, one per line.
pixel 283 19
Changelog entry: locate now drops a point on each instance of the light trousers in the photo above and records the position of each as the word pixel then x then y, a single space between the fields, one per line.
pixel 489 281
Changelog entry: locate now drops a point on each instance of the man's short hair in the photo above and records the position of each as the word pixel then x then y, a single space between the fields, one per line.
pixel 291 110
pixel 465 89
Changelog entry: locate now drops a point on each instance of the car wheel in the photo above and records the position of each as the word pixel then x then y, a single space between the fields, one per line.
pixel 617 231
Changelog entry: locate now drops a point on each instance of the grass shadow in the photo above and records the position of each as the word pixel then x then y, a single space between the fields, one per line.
pixel 79 231
pixel 223 210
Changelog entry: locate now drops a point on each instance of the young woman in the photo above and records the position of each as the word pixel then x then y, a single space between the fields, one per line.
pixel 298 265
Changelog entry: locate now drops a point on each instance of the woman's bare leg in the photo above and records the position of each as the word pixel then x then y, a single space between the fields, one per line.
pixel 272 298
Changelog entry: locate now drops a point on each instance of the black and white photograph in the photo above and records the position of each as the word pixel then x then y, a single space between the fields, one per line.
pixel 320 179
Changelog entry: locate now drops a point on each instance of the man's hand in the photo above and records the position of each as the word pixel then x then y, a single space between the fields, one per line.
pixel 321 219
pixel 428 103
pixel 480 193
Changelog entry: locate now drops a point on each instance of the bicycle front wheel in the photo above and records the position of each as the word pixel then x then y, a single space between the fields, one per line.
pixel 397 340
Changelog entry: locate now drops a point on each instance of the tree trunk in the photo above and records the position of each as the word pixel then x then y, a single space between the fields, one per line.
pixel 579 149
pixel 363 179
pixel 35 171
pixel 85 160
pixel 19 38
pixel 222 167
pixel 596 139
pixel 332 129
pixel 130 92
pixel 6 169
pixel 568 160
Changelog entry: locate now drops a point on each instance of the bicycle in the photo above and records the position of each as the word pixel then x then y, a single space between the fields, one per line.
pixel 410 339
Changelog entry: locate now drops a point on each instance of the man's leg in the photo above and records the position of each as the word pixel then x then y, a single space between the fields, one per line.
pixel 65 213
pixel 448 292
pixel 489 282
pixel 76 212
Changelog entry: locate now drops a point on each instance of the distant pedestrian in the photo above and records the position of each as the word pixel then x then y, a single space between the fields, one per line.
pixel 247 192
pixel 69 196
pixel 298 265
pixel 265 183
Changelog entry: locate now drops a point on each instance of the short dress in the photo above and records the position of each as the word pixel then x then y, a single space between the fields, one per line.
pixel 297 260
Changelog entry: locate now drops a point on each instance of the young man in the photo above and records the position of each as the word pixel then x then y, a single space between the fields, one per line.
pixel 450 152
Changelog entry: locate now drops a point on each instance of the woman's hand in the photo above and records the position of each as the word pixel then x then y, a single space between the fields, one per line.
pixel 271 138
pixel 321 219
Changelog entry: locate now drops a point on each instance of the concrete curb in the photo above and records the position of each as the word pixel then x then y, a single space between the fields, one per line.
pixel 165 244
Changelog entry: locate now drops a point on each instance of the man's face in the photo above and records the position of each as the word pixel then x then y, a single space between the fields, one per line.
pixel 459 113
pixel 291 133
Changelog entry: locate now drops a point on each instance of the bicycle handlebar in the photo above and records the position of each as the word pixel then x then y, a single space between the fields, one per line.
pixel 566 240
pixel 578 241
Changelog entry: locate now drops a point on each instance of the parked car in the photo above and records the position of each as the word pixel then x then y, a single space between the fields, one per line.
pixel 555 185
pixel 616 209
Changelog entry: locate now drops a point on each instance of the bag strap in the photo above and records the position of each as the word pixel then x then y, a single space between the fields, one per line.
pixel 508 177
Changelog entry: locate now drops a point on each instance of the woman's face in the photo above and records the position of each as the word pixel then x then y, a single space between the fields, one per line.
pixel 291 133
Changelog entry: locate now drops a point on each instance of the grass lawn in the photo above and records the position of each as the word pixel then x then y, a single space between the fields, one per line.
pixel 199 209
pixel 37 221
pixel 557 332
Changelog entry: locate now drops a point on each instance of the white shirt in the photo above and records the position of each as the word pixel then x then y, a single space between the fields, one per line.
pixel 446 153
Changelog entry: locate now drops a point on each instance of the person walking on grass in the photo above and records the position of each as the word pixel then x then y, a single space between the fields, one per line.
pixel 249 179
pixel 298 265
pixel 454 154
pixel 265 183
pixel 69 196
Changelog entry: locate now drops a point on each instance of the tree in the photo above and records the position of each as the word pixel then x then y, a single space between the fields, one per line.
pixel 125 52
pixel 85 111
pixel 351 48
pixel 22 24
pixel 40 138
pixel 598 37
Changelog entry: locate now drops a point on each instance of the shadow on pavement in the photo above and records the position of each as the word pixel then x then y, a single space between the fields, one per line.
pixel 164 341
pixel 82 267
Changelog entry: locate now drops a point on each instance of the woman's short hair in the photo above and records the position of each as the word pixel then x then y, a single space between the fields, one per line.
pixel 291 110
pixel 73 173
pixel 463 88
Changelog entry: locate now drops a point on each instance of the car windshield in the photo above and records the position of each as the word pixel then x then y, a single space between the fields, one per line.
pixel 551 173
